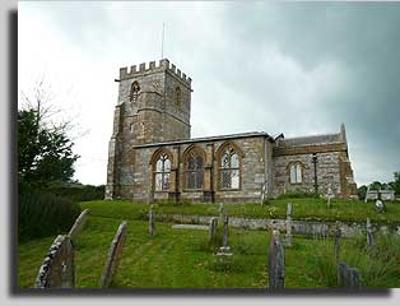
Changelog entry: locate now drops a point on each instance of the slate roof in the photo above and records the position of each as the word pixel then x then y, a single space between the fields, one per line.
pixel 311 140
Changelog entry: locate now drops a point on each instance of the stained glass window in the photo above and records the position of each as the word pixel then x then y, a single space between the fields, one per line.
pixel 162 173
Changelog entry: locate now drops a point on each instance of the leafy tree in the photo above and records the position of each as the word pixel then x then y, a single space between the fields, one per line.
pixel 395 185
pixel 44 153
pixel 362 192
pixel 376 185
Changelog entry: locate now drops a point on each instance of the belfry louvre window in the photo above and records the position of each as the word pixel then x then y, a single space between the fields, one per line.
pixel 229 169
pixel 296 174
pixel 194 171
pixel 135 88
pixel 162 173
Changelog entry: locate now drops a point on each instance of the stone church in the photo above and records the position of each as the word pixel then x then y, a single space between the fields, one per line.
pixel 152 156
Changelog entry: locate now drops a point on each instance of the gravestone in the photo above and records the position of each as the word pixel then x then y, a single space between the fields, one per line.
pixel 114 255
pixel 221 211
pixel 276 262
pixel 224 252
pixel 379 206
pixel 367 195
pixel 288 236
pixel 212 230
pixel 79 224
pixel 152 224
pixel 348 277
pixel 330 195
pixel 370 237
pixel 225 232
pixel 58 268
pixel 338 235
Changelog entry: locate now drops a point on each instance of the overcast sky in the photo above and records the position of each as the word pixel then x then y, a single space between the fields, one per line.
pixel 292 68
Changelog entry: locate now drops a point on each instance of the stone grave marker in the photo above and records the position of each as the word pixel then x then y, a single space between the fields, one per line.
pixel 114 255
pixel 225 250
pixel 288 236
pixel 221 211
pixel 58 267
pixel 338 235
pixel 152 224
pixel 370 237
pixel 212 230
pixel 79 224
pixel 276 262
pixel 348 277
pixel 380 206
pixel 330 195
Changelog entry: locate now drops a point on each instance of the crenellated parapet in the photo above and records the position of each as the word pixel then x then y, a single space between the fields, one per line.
pixel 153 67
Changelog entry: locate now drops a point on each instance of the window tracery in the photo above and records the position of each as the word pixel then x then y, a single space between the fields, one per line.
pixel 135 89
pixel 162 171
pixel 230 169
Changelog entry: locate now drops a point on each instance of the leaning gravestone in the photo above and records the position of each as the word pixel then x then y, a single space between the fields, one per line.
pixel 152 225
pixel 348 277
pixel 288 237
pixel 79 224
pixel 114 255
pixel 276 262
pixel 58 268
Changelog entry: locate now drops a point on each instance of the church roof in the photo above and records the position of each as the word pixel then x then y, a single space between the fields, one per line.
pixel 207 139
pixel 311 140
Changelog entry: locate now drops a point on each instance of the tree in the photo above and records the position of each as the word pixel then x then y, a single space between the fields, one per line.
pixel 362 192
pixel 376 185
pixel 44 152
pixel 395 185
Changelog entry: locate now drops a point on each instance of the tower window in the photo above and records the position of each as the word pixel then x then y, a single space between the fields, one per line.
pixel 135 89
pixel 296 173
pixel 178 96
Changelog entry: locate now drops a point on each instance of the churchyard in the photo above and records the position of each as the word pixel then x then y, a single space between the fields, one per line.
pixel 156 253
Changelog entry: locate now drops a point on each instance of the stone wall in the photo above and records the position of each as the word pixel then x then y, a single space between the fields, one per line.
pixel 308 228
pixel 137 182
pixel 328 174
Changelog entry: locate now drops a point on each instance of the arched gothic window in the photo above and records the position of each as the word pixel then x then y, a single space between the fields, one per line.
pixel 296 173
pixel 194 168
pixel 135 88
pixel 162 172
pixel 229 169
pixel 178 96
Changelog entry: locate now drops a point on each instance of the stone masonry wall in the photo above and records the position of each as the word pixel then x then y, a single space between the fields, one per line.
pixel 328 174
pixel 154 114
pixel 137 180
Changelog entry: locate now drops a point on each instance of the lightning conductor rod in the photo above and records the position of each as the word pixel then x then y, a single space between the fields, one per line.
pixel 162 40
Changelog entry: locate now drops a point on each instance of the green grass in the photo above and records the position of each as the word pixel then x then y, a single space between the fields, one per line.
pixel 303 209
pixel 177 258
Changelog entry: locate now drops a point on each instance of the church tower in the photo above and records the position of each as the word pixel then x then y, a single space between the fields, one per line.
pixel 153 106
